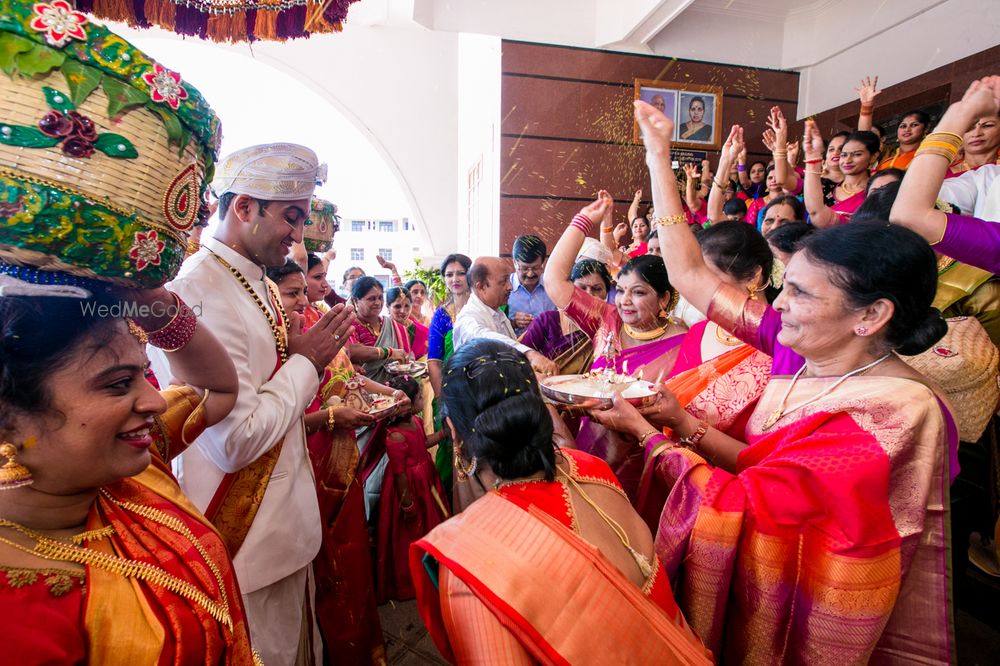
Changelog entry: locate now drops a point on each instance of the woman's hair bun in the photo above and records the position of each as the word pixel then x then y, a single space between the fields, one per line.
pixel 922 334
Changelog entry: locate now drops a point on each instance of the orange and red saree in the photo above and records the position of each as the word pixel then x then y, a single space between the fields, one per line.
pixel 830 543
pixel 185 608
pixel 526 574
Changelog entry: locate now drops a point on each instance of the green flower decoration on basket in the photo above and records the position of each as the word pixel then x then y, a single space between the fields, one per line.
pixel 323 224
pixel 105 155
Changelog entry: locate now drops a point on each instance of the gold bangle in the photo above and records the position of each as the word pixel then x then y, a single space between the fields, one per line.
pixel 818 173
pixel 938 144
pixel 692 440
pixel 607 230
pixel 642 440
pixel 775 153
pixel 330 420
pixel 958 137
pixel 719 185
pixel 670 220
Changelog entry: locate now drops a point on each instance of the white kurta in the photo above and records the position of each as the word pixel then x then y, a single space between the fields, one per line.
pixel 976 193
pixel 478 320
pixel 286 533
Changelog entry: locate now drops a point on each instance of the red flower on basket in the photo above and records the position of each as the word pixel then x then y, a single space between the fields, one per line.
pixel 147 249
pixel 59 21
pixel 165 86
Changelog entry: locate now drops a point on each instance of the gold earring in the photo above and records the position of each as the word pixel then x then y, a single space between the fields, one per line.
pixel 13 474
pixel 663 313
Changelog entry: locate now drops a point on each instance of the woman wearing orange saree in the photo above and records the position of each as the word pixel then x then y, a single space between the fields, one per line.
pixel 822 537
pixel 553 566
pixel 103 559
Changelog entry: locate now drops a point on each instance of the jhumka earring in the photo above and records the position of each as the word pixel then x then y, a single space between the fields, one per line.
pixel 13 474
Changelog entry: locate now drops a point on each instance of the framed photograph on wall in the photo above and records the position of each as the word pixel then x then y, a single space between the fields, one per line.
pixel 695 110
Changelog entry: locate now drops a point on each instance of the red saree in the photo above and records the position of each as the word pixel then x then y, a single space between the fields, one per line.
pixel 130 620
pixel 345 593
pixel 830 543
pixel 527 604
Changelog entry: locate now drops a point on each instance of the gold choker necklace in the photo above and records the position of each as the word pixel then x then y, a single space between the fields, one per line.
pixel 725 338
pixel 644 336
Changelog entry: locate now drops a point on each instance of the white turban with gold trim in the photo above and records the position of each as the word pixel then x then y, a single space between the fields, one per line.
pixel 270 172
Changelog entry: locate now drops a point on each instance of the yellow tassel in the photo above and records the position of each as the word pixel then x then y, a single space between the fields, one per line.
pixel 228 27
pixel 266 26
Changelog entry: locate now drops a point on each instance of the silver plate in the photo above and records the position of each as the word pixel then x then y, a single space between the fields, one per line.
pixel 565 389
pixel 414 369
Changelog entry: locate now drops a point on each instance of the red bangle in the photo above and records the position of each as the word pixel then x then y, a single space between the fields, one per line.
pixel 814 161
pixel 583 223
pixel 179 331
pixel 866 109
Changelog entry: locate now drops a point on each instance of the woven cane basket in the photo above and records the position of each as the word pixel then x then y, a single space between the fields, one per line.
pixel 121 219
pixel 318 236
pixel 964 364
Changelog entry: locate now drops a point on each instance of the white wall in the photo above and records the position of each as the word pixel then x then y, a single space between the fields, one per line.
pixel 478 228
pixel 942 33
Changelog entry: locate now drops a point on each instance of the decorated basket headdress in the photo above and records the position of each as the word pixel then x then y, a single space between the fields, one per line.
pixel 318 236
pixel 104 153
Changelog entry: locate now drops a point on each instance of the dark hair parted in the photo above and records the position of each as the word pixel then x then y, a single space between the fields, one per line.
pixel 867 139
pixel 455 258
pixel 877 204
pixel 394 293
pixel 874 260
pixel 798 208
pixel 528 248
pixel 409 284
pixel 40 335
pixel 787 237
pixel 363 285
pixel 738 249
pixel 279 273
pixel 894 173
pixel 409 386
pixel 493 400
pixel 651 270
pixel 313 260
pixel 735 207
pixel 922 117
pixel 586 267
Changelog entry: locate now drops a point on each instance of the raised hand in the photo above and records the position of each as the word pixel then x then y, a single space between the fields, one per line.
pixel 620 232
pixel 776 121
pixel 598 208
pixel 691 171
pixel 385 263
pixel 638 195
pixel 769 140
pixel 867 90
pixel 734 147
pixel 812 141
pixel 982 97
pixel 657 130
pixel 793 148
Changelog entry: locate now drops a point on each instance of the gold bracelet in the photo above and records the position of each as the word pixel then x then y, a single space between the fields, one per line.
pixel 949 155
pixel 607 230
pixel 775 153
pixel 818 173
pixel 692 440
pixel 330 420
pixel 719 185
pixel 670 220
pixel 642 440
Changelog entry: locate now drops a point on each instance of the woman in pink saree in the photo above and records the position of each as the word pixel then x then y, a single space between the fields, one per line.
pixel 821 537
pixel 635 335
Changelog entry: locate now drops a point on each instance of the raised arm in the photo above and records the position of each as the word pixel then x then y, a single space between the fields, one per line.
pixel 776 140
pixel 731 152
pixel 914 206
pixel 559 266
pixel 633 208
pixel 812 143
pixel 681 253
pixel 741 169
pixel 202 363
pixel 867 90
pixel 691 186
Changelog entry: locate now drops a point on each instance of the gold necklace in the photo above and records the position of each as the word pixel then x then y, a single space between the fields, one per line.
pixel 280 333
pixel 849 192
pixel 53 549
pixel 643 336
pixel 725 338
pixel 371 328
pixel 780 411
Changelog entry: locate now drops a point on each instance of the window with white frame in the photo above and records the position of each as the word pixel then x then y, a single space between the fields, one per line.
pixel 357 254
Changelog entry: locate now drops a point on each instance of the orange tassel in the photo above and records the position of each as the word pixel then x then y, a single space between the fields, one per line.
pixel 266 26
pixel 115 10
pixel 228 27
pixel 162 13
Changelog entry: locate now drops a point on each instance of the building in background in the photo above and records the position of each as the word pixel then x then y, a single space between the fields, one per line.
pixel 359 241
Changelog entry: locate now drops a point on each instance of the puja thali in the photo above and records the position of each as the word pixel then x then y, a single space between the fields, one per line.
pixel 412 368
pixel 597 389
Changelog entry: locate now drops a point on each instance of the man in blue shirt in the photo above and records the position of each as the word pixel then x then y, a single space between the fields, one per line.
pixel 528 298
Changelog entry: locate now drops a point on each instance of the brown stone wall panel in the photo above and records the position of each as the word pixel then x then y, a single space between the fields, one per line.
pixel 615 67
pixel 546 219
pixel 566 109
pixel 542 167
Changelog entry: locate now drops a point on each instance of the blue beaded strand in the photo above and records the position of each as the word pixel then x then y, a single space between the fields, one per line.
pixel 35 276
